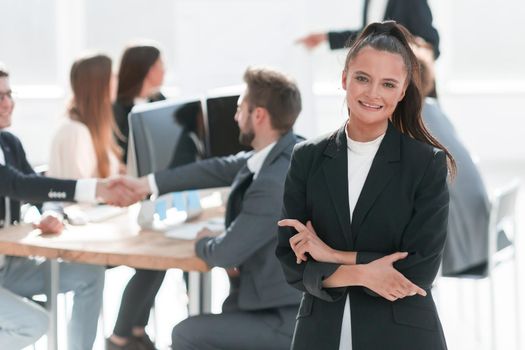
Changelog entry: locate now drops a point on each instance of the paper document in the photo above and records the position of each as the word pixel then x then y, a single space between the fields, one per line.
pixel 189 230
pixel 81 215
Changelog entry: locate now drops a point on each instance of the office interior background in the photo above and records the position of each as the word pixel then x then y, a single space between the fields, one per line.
pixel 207 45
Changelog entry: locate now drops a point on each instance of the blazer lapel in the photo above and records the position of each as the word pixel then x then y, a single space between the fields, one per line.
pixel 241 183
pixel 284 144
pixel 335 170
pixel 385 164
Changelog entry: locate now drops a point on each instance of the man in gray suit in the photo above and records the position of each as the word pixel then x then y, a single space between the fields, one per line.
pixel 259 312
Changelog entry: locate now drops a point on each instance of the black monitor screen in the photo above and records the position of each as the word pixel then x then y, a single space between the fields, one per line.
pixel 166 134
pixel 223 131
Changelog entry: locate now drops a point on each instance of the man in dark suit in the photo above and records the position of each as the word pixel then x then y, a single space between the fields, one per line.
pixel 22 323
pixel 260 311
pixel 415 15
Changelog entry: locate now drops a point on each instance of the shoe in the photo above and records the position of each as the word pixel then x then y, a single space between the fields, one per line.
pixel 132 344
pixel 144 342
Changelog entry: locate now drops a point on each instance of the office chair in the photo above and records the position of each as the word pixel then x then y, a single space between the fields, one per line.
pixel 502 248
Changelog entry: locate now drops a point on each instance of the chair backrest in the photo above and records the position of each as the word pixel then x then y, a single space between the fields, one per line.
pixel 502 223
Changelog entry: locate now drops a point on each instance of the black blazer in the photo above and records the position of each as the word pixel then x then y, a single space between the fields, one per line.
pixel 19 182
pixel 403 207
pixel 415 15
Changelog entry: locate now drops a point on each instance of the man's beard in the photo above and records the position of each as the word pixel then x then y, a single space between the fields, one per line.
pixel 246 138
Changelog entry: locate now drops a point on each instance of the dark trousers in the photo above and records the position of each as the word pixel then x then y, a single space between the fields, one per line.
pixel 137 300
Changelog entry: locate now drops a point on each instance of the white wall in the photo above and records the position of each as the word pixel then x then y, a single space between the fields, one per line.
pixel 209 43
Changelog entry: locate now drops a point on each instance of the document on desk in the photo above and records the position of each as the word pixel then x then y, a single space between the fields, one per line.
pixel 83 214
pixel 189 230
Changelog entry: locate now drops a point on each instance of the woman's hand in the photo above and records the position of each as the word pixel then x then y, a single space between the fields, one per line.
pixel 307 241
pixel 381 277
pixel 50 223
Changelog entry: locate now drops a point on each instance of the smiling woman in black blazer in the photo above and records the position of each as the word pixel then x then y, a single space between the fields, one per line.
pixel 366 210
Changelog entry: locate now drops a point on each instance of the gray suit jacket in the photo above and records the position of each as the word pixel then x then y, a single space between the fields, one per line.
pixel 249 241
pixel 466 246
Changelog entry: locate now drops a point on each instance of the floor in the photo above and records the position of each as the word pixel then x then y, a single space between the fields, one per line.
pixel 462 303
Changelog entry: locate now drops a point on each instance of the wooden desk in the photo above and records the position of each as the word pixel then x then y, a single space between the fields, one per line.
pixel 116 241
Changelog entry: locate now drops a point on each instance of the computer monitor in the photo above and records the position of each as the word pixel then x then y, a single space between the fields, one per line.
pixel 165 134
pixel 222 129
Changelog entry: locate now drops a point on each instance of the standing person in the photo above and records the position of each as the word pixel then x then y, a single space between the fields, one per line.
pixel 21 322
pixel 140 77
pixel 259 312
pixel 366 211
pixel 415 15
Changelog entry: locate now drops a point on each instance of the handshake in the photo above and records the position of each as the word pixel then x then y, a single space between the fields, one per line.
pixel 122 191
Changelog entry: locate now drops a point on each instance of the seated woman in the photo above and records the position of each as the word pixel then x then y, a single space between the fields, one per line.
pixel 140 76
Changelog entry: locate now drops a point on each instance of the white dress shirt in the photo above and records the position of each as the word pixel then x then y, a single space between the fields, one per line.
pixel 256 161
pixel 7 219
pixel 360 157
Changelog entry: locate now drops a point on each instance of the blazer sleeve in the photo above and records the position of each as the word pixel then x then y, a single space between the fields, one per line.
pixel 253 228
pixel 307 276
pixel 16 184
pixel 425 235
pixel 341 39
pixel 209 173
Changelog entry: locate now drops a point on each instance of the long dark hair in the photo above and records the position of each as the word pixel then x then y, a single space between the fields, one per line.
pixel 394 38
pixel 134 66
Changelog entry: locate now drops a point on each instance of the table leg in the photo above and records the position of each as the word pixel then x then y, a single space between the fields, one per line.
pixel 52 339
pixel 205 292
pixel 194 284
pixel 199 293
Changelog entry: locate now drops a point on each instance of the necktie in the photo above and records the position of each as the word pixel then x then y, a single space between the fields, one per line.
pixel 234 205
pixel 7 221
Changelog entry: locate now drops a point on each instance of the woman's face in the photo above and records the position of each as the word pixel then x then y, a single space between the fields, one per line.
pixel 155 75
pixel 375 81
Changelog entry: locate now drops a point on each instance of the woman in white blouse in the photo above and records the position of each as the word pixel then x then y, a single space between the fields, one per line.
pixel 84 145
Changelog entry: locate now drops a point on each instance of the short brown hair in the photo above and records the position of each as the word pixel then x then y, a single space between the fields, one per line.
pixel 277 93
